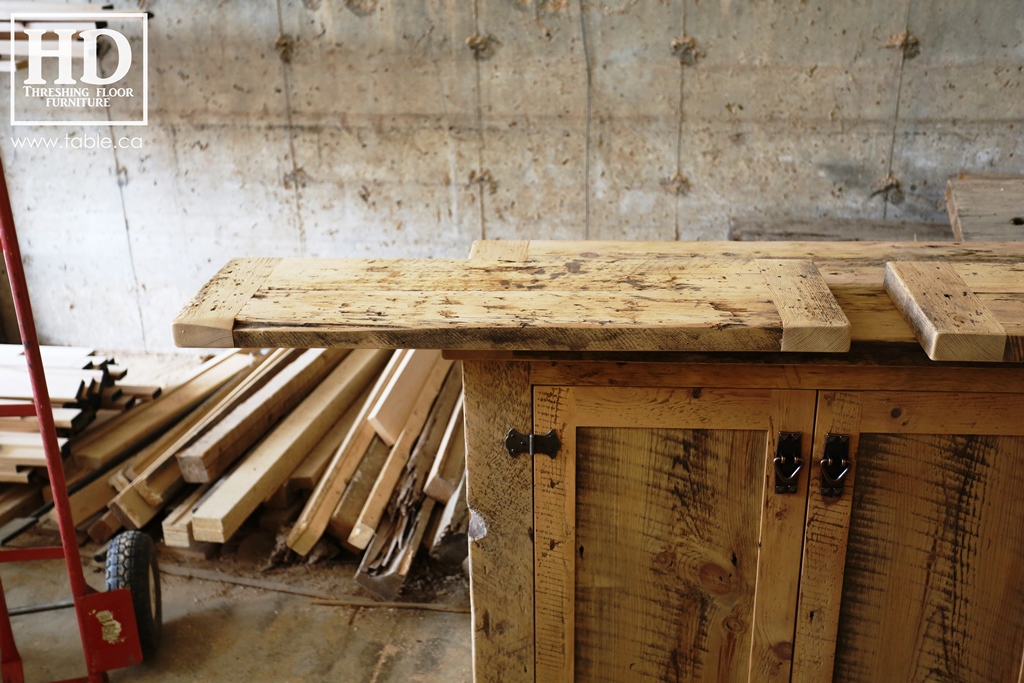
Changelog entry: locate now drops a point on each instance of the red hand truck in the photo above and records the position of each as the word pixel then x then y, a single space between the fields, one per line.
pixel 121 625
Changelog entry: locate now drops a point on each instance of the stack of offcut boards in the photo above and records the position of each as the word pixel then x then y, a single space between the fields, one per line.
pixel 86 393
pixel 364 445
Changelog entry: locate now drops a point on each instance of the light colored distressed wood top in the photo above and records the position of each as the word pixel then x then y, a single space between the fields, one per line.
pixel 544 303
pixel 962 312
pixel 986 208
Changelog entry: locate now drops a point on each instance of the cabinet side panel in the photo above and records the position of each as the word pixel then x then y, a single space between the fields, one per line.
pixel 934 581
pixel 666 553
pixel 500 497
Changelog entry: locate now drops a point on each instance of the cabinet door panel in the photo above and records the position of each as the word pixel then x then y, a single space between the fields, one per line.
pixel 917 572
pixel 934 580
pixel 662 551
pixel 667 528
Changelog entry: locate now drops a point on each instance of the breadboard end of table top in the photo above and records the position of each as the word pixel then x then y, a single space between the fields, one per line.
pixel 949 320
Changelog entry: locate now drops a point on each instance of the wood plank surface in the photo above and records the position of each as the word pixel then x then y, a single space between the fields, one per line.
pixel 501 528
pixel 781 543
pixel 213 452
pixel 554 498
pixel 949 319
pixel 450 460
pixel 986 209
pixel 836 230
pixel 373 509
pixel 583 304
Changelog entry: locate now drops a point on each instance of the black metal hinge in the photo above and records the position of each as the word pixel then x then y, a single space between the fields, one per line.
pixel 835 465
pixel 517 443
pixel 788 462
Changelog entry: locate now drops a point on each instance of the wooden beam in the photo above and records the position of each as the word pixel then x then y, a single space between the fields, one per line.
pixel 357 491
pixel 273 460
pixel 322 502
pixel 207 321
pixel 395 403
pixel 450 461
pixel 836 230
pixel 213 452
pixel 309 471
pixel 373 510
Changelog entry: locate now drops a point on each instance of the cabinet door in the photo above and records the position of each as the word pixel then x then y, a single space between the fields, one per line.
pixel 662 552
pixel 916 572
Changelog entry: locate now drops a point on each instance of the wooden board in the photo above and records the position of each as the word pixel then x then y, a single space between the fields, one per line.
pixel 549 303
pixel 373 509
pixel 214 451
pixel 450 460
pixel 270 463
pixel 357 491
pixel 952 320
pixel 836 230
pixel 986 209
pixel 854 271
pixel 391 409
pixel 322 502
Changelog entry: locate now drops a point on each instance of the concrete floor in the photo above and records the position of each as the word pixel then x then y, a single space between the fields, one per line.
pixel 216 631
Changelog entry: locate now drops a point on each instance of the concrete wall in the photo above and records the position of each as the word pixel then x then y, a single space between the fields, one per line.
pixel 371 128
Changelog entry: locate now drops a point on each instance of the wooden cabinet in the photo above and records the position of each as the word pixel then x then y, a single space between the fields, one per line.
pixel 654 546
pixel 661 550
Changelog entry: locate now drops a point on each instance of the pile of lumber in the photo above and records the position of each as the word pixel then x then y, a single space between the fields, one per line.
pixel 86 391
pixel 366 446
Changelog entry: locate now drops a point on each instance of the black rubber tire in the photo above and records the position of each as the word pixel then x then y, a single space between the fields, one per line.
pixel 132 564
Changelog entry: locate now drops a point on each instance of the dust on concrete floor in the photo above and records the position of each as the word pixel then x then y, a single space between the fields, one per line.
pixel 217 631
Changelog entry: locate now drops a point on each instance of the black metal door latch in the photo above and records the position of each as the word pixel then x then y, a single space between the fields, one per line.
pixel 835 465
pixel 548 444
pixel 788 462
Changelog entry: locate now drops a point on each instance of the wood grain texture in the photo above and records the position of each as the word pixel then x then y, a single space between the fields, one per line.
pixel 554 499
pixel 825 541
pixel 933 588
pixel 781 543
pixel 811 318
pixel 667 553
pixel 499 250
pixel 501 522
pixel 986 209
pixel 867 374
pixel 208 319
pixel 640 304
pixel 948 318
pixel 836 230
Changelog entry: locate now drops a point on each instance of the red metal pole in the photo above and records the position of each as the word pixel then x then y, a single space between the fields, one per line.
pixel 41 398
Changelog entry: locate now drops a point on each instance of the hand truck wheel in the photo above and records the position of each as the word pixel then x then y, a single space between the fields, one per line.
pixel 132 564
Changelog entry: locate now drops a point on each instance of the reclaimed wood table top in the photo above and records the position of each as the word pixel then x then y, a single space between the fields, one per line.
pixel 586 296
